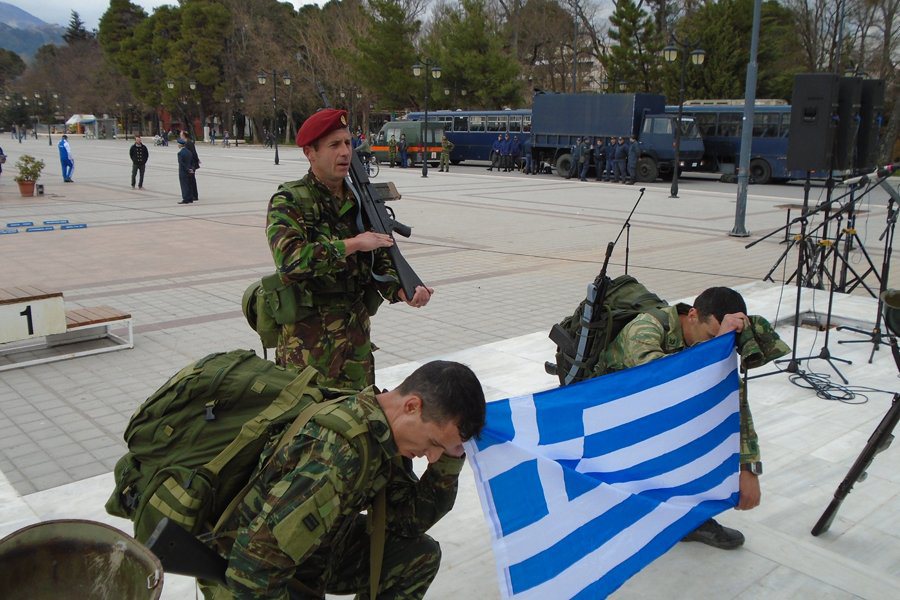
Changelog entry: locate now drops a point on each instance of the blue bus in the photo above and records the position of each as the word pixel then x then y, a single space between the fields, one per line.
pixel 719 122
pixel 474 131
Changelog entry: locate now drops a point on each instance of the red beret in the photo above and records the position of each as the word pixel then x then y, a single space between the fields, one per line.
pixel 324 121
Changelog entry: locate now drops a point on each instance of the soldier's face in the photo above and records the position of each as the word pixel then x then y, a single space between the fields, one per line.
pixel 416 437
pixel 699 329
pixel 329 159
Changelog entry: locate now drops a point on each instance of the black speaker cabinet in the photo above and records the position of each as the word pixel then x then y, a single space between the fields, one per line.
pixel 814 108
pixel 871 110
pixel 849 97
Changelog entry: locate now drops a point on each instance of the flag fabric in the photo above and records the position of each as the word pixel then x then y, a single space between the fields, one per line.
pixel 584 485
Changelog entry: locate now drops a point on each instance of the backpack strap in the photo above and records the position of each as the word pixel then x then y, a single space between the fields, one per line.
pixel 287 399
pixel 378 523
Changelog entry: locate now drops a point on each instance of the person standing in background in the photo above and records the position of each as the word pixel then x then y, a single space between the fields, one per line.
pixel 139 155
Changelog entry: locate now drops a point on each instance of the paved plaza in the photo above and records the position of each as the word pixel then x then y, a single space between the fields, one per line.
pixel 508 256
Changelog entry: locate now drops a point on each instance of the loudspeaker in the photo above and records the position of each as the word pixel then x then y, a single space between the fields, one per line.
pixel 814 107
pixel 871 108
pixel 849 96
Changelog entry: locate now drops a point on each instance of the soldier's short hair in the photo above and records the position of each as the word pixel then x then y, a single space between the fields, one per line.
pixel 718 302
pixel 450 391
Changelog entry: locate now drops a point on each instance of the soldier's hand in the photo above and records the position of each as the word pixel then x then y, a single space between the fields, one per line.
pixel 750 494
pixel 420 298
pixel 368 240
pixel 733 322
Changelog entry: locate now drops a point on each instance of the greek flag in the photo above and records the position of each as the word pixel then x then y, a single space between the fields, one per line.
pixel 584 485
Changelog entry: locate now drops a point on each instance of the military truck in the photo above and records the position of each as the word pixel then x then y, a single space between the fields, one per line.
pixel 560 119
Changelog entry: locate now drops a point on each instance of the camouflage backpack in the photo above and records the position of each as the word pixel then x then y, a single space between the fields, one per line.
pixel 195 442
pixel 583 337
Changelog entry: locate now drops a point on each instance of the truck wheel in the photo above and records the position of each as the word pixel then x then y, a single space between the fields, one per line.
pixel 563 164
pixel 760 171
pixel 647 170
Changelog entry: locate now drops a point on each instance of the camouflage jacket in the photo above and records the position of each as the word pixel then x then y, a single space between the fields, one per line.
pixel 311 492
pixel 447 146
pixel 645 339
pixel 306 239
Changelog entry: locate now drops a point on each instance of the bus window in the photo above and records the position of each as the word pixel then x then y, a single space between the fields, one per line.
pixel 765 124
pixel 785 125
pixel 729 124
pixel 527 127
pixel 706 123
pixel 460 123
pixel 496 123
pixel 515 123
pixel 476 123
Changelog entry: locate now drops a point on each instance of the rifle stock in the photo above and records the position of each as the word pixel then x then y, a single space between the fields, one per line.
pixel 879 441
pixel 182 553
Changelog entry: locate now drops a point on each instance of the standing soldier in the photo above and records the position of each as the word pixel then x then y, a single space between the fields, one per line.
pixel 584 158
pixel 446 149
pixel 335 275
pixel 610 173
pixel 392 150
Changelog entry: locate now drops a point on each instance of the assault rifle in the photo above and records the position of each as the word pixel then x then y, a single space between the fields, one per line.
pixel 181 553
pixel 879 441
pixel 596 293
pixel 374 214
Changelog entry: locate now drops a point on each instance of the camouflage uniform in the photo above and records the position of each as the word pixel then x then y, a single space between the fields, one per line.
pixel 392 150
pixel 446 148
pixel 302 520
pixel 336 292
pixel 645 339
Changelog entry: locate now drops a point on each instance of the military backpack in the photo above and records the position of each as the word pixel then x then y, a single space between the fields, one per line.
pixel 194 444
pixel 583 337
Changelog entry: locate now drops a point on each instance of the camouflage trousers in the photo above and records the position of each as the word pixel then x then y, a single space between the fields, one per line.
pixel 334 340
pixel 445 161
pixel 408 567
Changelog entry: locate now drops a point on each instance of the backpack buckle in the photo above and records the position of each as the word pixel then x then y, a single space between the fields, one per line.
pixel 210 416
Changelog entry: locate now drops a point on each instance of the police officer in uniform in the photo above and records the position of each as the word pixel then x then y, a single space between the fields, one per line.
pixel 339 275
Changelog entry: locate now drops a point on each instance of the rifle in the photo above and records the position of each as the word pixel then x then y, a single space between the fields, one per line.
pixel 180 552
pixel 879 441
pixel 596 294
pixel 379 217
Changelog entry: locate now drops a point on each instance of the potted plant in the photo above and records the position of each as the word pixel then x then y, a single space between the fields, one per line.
pixel 29 172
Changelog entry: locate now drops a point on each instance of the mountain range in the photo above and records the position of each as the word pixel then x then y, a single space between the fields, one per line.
pixel 24 33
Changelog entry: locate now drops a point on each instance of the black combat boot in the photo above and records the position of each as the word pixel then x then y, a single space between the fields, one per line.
pixel 713 534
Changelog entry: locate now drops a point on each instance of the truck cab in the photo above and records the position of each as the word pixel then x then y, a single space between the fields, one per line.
pixel 657 142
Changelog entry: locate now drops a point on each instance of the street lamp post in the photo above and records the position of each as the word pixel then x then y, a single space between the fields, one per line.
pixel 286 79
pixel 670 54
pixel 182 103
pixel 353 93
pixel 419 69
pixel 38 103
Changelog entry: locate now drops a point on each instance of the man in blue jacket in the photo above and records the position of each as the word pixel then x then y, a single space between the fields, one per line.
pixel 634 152
pixel 65 159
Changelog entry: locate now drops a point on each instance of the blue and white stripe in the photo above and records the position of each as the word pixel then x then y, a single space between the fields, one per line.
pixel 585 485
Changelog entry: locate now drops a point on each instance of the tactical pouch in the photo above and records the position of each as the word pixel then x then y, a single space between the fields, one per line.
pixel 280 299
pixel 179 493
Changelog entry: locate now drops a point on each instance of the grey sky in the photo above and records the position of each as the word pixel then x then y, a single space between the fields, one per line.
pixel 60 11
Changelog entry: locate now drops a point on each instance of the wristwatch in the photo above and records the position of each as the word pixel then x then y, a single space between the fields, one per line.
pixel 753 467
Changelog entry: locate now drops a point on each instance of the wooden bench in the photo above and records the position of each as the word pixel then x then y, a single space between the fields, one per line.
pixel 34 320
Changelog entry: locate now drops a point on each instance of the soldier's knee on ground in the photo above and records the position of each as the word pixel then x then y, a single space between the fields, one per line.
pixel 410 565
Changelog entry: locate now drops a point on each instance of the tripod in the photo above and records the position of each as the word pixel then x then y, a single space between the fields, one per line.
pixel 876 337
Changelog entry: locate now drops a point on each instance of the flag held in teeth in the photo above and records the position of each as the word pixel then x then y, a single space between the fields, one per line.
pixel 584 485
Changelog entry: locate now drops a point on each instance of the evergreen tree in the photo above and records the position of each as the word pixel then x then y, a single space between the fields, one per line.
pixel 76 32
pixel 11 66
pixel 385 55
pixel 633 59
pixel 472 57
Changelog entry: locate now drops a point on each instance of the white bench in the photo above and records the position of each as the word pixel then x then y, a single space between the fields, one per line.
pixel 35 321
